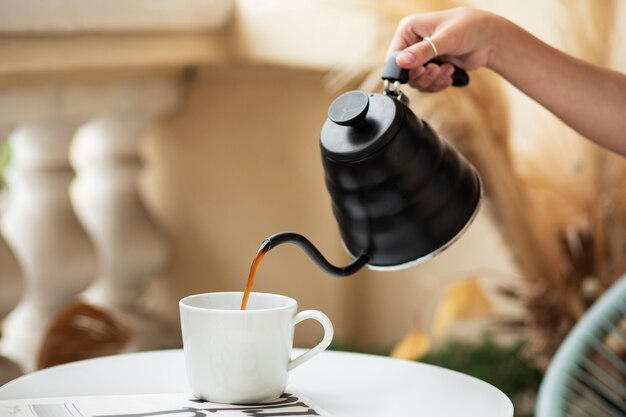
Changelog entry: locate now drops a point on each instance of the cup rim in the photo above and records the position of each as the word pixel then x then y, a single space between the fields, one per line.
pixel 183 303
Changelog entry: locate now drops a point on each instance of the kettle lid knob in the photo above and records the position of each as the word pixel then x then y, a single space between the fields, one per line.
pixel 349 108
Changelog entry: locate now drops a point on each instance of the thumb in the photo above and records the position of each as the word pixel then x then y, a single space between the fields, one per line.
pixel 417 54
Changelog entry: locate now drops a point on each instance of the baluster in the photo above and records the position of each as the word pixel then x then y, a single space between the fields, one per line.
pixel 130 246
pixel 52 249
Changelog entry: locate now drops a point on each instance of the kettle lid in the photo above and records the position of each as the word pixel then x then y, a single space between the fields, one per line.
pixel 359 124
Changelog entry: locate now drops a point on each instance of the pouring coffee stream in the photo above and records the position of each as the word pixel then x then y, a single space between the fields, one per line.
pixel 310 249
pixel 399 193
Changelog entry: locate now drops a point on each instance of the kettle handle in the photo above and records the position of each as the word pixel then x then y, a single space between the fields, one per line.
pixel 310 249
pixel 392 72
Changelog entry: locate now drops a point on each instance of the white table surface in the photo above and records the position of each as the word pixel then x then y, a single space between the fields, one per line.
pixel 345 384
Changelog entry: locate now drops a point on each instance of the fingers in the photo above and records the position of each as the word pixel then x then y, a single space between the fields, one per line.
pixel 409 38
pixel 431 78
pixel 417 54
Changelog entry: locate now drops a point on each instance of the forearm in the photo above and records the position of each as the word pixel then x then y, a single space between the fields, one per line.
pixel 589 98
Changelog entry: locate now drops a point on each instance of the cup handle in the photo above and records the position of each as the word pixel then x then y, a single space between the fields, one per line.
pixel 321 346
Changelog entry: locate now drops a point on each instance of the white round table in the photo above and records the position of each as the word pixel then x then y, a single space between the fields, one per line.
pixel 344 384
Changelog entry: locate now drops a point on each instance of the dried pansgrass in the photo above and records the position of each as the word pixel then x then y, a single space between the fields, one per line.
pixel 577 188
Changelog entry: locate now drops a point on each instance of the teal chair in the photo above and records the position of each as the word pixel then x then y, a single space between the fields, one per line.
pixel 587 376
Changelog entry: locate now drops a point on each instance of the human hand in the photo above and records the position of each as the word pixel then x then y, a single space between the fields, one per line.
pixel 460 36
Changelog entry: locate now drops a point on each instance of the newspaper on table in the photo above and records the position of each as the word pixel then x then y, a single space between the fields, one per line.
pixel 291 403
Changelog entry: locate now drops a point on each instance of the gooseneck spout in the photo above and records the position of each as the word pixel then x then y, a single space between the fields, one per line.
pixel 304 243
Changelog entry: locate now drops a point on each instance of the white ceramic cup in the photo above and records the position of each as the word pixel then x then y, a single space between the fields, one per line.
pixel 243 356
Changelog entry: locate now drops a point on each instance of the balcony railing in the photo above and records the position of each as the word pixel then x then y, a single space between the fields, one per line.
pixel 73 217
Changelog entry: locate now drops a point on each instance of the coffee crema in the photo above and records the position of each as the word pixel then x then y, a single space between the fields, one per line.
pixel 254 268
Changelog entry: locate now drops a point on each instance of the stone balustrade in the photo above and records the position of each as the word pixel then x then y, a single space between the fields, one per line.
pixel 77 225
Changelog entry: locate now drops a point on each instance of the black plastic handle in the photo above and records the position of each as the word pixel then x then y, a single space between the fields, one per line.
pixel 393 72
pixel 460 78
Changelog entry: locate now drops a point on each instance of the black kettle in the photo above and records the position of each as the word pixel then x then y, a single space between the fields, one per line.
pixel 399 193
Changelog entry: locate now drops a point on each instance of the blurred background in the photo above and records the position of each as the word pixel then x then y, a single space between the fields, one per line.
pixel 148 148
